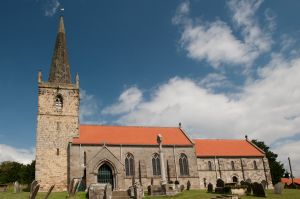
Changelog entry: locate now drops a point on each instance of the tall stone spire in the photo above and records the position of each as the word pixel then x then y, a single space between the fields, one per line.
pixel 60 68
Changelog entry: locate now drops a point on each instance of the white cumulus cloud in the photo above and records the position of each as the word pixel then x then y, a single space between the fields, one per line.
pixel 267 109
pixel 8 153
pixel 127 101
pixel 216 43
pixel 50 6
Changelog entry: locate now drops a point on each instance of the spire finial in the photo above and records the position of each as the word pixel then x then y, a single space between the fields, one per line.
pixel 61 25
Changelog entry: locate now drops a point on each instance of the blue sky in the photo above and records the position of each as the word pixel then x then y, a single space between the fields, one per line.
pixel 222 68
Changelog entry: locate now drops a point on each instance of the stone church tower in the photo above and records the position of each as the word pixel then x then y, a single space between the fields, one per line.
pixel 57 118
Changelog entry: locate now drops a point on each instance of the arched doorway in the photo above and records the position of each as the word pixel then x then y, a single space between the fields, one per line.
pixel 105 175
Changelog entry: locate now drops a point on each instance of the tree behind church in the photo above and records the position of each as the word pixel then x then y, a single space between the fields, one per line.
pixel 276 167
pixel 14 171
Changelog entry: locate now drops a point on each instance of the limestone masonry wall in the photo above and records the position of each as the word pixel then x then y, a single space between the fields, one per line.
pixel 56 126
pixel 244 169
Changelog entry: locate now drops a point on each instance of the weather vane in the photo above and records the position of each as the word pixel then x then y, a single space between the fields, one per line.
pixel 62 9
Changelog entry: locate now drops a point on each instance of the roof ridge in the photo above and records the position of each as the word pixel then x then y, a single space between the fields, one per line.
pixel 219 139
pixel 127 126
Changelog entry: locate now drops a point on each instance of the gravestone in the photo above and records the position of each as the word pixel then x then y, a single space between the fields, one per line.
pixel 137 191
pixel 34 192
pixel 210 188
pixel 131 191
pixel 100 191
pixel 249 188
pixel 49 192
pixel 181 188
pixel 220 183
pixel 278 188
pixel 149 190
pixel 33 184
pixel 220 186
pixel 108 191
pixel 264 184
pixel 73 186
pixel 16 187
pixel 258 190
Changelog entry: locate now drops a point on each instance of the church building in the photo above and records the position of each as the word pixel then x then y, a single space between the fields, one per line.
pixel 119 155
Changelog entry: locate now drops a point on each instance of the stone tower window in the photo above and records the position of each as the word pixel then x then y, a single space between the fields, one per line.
pixel 232 165
pixel 209 166
pixel 129 164
pixel 59 102
pixel 255 165
pixel 184 165
pixel 156 164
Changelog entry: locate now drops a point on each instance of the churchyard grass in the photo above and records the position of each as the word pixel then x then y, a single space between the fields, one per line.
pixel 192 194
pixel 25 195
pixel 202 194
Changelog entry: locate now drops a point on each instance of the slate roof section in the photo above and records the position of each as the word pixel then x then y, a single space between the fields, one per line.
pixel 131 135
pixel 226 148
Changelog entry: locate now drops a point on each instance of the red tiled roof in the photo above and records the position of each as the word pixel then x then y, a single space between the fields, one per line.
pixel 219 147
pixel 130 135
pixel 288 181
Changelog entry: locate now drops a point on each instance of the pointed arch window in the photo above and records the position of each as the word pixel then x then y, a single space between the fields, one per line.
pixel 59 102
pixel 156 164
pixel 129 164
pixel 209 166
pixel 183 165
pixel 232 165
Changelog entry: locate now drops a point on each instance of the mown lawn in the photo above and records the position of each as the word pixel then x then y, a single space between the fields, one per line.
pixel 56 195
pixel 201 194
pixel 193 194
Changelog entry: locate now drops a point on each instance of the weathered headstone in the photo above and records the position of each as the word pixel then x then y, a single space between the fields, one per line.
pixel 249 188
pixel 34 192
pixel 33 184
pixel 73 186
pixel 220 183
pixel 137 191
pixel 49 192
pixel 108 191
pixel 16 187
pixel 181 188
pixel 210 188
pixel 131 191
pixel 220 186
pixel 278 188
pixel 100 191
pixel 264 184
pixel 258 190
pixel 149 190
